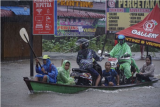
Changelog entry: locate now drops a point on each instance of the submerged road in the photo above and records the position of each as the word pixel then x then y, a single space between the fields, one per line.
pixel 14 92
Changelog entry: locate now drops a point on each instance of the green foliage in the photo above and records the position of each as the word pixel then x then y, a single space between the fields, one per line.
pixel 135 48
pixel 92 44
pixel 151 49
pixel 47 45
pixel 63 45
pixel 67 44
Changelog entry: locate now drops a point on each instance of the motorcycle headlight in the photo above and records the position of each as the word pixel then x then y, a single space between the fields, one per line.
pixel 113 64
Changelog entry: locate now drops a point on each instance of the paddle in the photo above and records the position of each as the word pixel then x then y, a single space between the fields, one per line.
pixel 24 35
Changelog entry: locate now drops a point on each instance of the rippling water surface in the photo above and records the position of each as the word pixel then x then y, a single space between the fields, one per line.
pixel 14 92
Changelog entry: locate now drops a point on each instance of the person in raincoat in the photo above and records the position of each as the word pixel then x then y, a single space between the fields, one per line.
pixel 48 73
pixel 122 51
pixel 64 74
pixel 87 57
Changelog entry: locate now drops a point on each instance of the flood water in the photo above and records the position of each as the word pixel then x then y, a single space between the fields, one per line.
pixel 14 92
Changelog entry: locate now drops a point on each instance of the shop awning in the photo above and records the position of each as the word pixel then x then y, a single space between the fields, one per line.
pixel 146 32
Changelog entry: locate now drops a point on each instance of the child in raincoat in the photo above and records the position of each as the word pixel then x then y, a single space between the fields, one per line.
pixel 64 74
pixel 48 73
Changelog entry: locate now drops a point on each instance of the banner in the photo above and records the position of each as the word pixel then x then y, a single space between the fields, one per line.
pixel 121 14
pixel 147 31
pixel 117 21
pixel 141 41
pixel 101 22
pixel 44 17
pixel 76 27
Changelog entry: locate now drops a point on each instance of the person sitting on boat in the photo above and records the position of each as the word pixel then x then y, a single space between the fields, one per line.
pixel 64 74
pixel 146 71
pixel 86 57
pixel 109 75
pixel 122 52
pixel 48 73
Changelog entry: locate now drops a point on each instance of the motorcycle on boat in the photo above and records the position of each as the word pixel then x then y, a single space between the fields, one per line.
pixel 83 77
pixel 117 67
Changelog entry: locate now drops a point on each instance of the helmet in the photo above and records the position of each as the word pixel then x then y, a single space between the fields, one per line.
pixel 84 42
pixel 46 57
pixel 121 39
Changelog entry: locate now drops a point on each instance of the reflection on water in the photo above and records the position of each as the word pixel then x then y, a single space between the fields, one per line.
pixel 121 90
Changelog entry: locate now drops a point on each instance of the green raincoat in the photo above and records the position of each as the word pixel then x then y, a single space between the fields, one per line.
pixel 117 52
pixel 135 65
pixel 64 75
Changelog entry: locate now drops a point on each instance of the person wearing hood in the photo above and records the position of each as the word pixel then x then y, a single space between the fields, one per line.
pixel 121 51
pixel 87 58
pixel 64 74
pixel 48 73
pixel 146 71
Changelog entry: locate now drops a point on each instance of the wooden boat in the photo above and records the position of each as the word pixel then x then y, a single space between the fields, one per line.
pixel 35 86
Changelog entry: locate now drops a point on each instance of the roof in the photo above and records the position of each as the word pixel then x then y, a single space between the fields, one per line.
pixel 62 11
pixel 6 13
pixel 77 13
pixel 17 10
pixel 147 31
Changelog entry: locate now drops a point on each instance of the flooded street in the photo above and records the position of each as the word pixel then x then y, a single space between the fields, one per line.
pixel 14 92
pixel 59 28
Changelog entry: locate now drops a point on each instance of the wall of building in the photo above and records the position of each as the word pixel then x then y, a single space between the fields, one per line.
pixel 12 45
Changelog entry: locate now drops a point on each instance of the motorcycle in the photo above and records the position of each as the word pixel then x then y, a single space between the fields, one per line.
pixel 83 77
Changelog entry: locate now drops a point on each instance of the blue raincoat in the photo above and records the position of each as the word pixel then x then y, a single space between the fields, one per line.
pixel 51 70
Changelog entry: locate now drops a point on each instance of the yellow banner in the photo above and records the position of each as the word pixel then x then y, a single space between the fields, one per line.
pixel 120 21
pixel 142 42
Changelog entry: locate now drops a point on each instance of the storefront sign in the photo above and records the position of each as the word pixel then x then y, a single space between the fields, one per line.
pixel 75 3
pixel 44 17
pixel 148 35
pixel 121 19
pixel 76 27
pixel 101 22
pixel 122 14
pixel 132 3
pixel 142 42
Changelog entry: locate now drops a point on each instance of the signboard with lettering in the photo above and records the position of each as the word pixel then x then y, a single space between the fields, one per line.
pixel 101 22
pixel 77 3
pixel 122 14
pixel 117 21
pixel 44 17
pixel 142 42
pixel 147 31
pixel 76 27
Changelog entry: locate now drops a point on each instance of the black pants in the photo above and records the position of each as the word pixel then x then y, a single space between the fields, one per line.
pixel 142 77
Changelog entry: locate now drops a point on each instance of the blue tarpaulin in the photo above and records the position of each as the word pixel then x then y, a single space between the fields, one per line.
pixel 17 10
